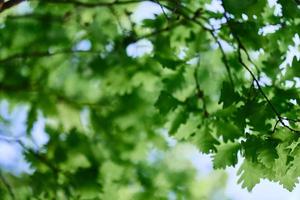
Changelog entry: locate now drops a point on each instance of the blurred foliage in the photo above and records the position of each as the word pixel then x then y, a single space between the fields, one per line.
pixel 210 78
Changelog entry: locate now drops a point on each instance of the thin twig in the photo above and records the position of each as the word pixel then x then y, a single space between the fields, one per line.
pixel 245 66
pixel 275 126
pixel 45 53
pixel 280 119
pixel 159 31
pixel 292 120
pixel 8 186
pixel 211 31
pixel 240 59
pixel 238 39
pixel 17 140
pixel 200 93
pixel 224 57
pixel 115 14
pixel 163 9
pixel 9 139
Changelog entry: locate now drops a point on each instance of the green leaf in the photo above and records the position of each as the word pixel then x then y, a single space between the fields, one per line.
pixel 181 117
pixel 284 170
pixel 106 109
pixel 289 180
pixel 171 63
pixel 228 130
pixel 189 128
pixel 290 8
pixel 226 155
pixel 248 33
pixel 228 95
pixel 267 157
pixel 293 71
pixel 31 118
pixel 205 141
pixel 249 7
pixel 166 102
pixel 250 174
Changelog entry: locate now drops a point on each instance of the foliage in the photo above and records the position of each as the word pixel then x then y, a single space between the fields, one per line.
pixel 213 79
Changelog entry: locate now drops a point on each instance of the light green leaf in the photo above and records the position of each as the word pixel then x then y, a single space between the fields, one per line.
pixel 226 155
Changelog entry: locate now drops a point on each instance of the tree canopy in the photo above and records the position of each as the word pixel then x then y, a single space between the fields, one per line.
pixel 225 79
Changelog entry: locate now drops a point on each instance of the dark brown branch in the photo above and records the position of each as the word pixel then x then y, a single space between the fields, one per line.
pixel 278 115
pixel 275 126
pixel 237 38
pixel 240 59
pixel 292 120
pixel 240 47
pixel 9 4
pixel 247 54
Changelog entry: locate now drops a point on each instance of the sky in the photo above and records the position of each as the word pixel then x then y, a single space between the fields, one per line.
pixel 11 157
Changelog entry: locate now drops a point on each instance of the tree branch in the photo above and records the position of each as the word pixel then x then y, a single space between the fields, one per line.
pixel 200 93
pixel 12 3
pixel 93 5
pixel 38 156
pixel 9 4
pixel 211 32
pixel 240 47
pixel 8 186
pixel 46 53
pixel 224 57
pixel 162 9
pixel 240 59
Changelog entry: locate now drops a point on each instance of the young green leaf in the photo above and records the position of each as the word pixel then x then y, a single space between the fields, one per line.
pixel 226 155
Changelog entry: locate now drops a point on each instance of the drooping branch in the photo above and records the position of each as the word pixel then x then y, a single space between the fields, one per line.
pixel 278 115
pixel 238 40
pixel 183 13
pixel 211 32
pixel 12 3
pixel 241 48
pixel 9 4
pixel 47 53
